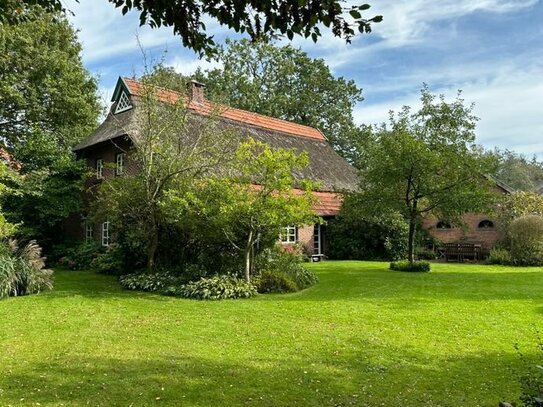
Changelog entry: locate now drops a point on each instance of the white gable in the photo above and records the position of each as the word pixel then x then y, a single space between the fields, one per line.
pixel 123 104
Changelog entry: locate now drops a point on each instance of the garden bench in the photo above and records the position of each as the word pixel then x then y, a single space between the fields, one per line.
pixel 461 251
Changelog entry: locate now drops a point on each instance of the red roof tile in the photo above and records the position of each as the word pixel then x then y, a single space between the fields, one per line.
pixel 238 115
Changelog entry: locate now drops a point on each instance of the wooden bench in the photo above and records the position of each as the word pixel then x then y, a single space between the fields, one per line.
pixel 462 251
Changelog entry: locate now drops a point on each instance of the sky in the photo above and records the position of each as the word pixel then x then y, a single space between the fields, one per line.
pixel 490 49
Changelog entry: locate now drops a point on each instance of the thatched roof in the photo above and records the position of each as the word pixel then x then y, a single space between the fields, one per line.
pixel 326 166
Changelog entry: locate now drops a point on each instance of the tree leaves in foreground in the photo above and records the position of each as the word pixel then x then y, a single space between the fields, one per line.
pixel 425 163
pixel 257 18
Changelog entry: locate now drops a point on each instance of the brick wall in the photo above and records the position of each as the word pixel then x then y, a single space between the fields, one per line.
pixel 470 233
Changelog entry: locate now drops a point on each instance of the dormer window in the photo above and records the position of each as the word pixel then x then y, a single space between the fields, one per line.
pixel 123 104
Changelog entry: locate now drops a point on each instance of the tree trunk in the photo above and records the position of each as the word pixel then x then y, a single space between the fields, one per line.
pixel 411 242
pixel 248 259
pixel 151 249
pixel 412 230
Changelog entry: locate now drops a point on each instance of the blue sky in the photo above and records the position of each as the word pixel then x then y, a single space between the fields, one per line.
pixel 491 49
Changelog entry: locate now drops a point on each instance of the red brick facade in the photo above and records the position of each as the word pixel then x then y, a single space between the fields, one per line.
pixel 486 236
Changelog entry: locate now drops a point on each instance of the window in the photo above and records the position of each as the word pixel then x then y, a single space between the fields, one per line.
pixel 486 224
pixel 88 232
pixel 288 235
pixel 443 225
pixel 99 168
pixel 119 164
pixel 123 104
pixel 105 233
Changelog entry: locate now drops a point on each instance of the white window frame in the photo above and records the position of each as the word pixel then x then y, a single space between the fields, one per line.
pixel 89 232
pixel 106 238
pixel 123 104
pixel 119 163
pixel 288 234
pixel 99 168
pixel 317 239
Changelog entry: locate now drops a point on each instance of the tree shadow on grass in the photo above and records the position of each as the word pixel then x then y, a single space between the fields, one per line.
pixel 323 380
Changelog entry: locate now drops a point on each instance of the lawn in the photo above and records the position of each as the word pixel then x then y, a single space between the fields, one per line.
pixel 364 336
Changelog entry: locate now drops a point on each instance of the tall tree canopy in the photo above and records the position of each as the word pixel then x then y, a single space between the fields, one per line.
pixel 48 102
pixel 517 170
pixel 426 163
pixel 257 18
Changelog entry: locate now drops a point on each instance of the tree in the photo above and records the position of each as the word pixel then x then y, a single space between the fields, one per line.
pixel 173 149
pixel 257 18
pixel 517 170
pixel 48 102
pixel 426 163
pixel 259 197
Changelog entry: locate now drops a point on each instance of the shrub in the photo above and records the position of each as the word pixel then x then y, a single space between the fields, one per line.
pixel 77 256
pixel 416 266
pixel 23 272
pixel 214 288
pixel 526 235
pixel 275 282
pixel 424 253
pixel 109 262
pixel 148 282
pixel 353 236
pixel 284 261
pixel 499 256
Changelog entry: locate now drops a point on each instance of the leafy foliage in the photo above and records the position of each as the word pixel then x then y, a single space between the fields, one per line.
pixel 526 235
pixel 426 162
pixel 23 272
pixel 173 152
pixel 250 206
pixel 148 282
pixel 215 288
pixel 517 170
pixel 275 282
pixel 75 255
pixel 353 236
pixel 416 266
pixel 280 270
pixel 499 256
pixel 259 19
pixel 112 261
pixel 49 102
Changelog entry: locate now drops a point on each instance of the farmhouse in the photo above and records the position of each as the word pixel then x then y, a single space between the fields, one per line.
pixel 106 151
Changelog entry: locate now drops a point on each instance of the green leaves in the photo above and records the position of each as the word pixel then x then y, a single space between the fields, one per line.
pixel 260 19
pixel 424 163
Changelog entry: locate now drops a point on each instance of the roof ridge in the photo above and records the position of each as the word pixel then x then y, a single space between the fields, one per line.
pixel 310 132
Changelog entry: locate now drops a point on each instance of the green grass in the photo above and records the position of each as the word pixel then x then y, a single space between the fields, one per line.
pixel 364 336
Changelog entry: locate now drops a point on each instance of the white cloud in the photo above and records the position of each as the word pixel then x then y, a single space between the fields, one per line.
pixel 508 105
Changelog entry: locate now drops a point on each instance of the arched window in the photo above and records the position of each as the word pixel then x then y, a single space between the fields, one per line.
pixel 442 224
pixel 486 224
